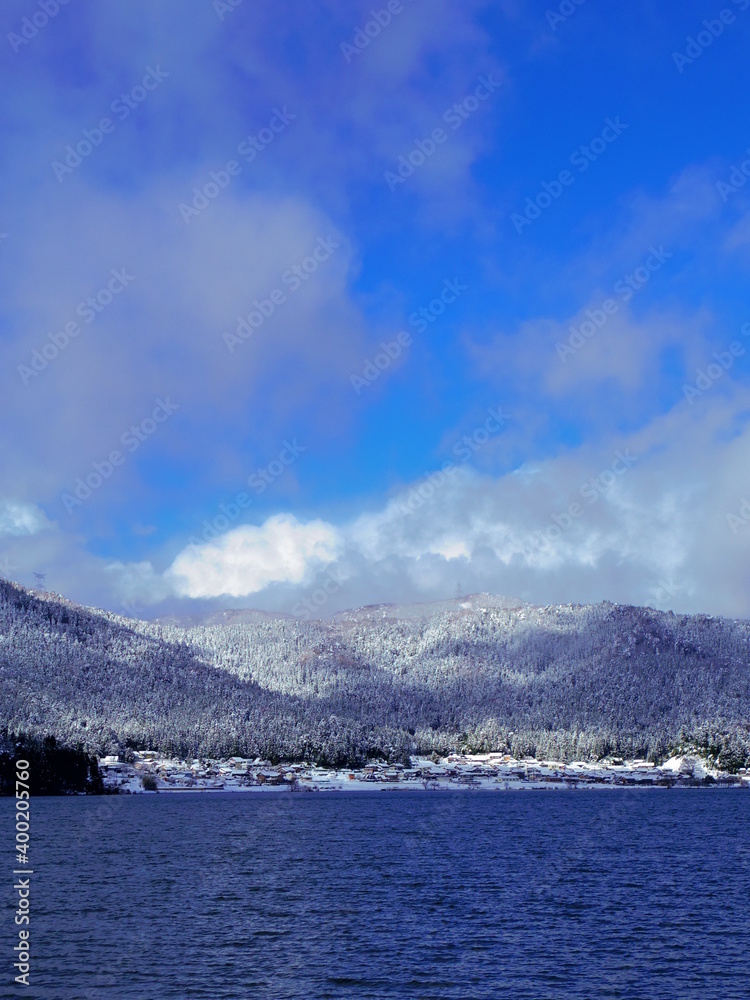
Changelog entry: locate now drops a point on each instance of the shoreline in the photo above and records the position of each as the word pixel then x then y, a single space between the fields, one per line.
pixel 151 772
pixel 443 789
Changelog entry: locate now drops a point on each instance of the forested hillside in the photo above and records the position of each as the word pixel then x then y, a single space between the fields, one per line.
pixel 483 673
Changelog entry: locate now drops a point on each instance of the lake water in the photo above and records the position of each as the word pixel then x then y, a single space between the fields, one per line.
pixel 534 894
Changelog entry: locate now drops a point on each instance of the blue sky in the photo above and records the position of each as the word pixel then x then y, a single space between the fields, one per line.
pixel 558 189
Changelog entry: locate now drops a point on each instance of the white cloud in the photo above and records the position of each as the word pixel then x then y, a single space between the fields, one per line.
pixel 586 526
pixel 21 518
pixel 620 352
pixel 165 332
pixel 583 526
pixel 138 582
pixel 250 558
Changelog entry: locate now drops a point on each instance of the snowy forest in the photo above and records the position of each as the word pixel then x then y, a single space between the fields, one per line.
pixel 478 674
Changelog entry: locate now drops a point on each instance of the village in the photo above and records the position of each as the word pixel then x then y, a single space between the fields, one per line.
pixel 150 771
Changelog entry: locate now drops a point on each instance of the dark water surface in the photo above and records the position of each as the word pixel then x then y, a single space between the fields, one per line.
pixel 534 894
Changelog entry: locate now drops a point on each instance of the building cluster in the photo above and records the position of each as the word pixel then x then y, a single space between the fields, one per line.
pixel 153 771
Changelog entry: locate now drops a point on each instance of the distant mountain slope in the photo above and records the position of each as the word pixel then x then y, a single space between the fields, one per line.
pixel 479 672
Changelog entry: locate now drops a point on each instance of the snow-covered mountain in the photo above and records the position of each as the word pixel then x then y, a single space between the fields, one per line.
pixel 480 672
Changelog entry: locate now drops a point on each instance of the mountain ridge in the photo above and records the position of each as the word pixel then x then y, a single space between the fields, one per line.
pixel 385 680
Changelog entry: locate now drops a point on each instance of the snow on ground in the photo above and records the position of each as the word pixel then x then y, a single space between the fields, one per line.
pixel 463 771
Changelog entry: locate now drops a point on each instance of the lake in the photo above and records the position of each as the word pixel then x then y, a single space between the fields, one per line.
pixel 533 894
